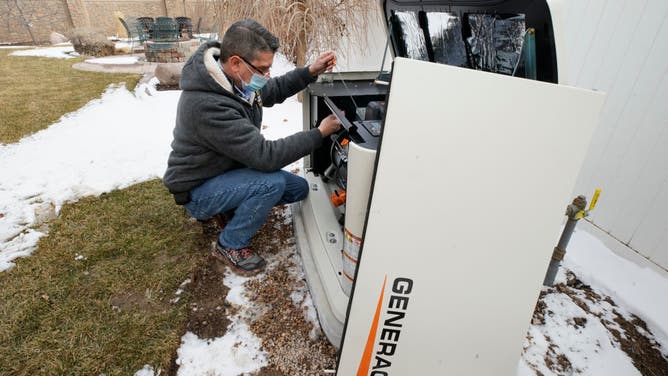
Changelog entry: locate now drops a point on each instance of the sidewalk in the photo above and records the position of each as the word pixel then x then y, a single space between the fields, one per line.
pixel 118 64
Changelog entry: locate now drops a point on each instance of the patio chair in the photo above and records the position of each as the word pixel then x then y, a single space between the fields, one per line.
pixel 145 26
pixel 185 27
pixel 130 26
pixel 165 29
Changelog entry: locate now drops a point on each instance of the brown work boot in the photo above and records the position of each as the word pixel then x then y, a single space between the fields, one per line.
pixel 243 261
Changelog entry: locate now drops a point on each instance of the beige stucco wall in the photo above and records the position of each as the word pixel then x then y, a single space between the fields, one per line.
pixel 102 11
pixel 45 16
pixel 62 15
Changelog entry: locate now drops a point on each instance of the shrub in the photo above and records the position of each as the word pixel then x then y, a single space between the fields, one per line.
pixel 91 42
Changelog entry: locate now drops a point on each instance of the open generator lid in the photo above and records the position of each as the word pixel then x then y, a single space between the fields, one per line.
pixel 512 37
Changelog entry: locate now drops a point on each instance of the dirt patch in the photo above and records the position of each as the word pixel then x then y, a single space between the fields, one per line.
pixel 557 361
pixel 134 302
pixel 209 312
pixel 631 334
pixel 277 296
pixel 294 346
pixel 540 310
pixel 635 339
pixel 646 352
pixel 163 87
pixel 286 334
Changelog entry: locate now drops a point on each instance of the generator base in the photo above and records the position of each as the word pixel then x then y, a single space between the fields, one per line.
pixel 320 243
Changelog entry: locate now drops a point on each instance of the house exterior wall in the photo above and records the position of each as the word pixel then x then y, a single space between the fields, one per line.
pixel 619 47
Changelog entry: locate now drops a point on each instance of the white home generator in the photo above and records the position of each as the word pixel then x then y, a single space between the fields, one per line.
pixel 409 202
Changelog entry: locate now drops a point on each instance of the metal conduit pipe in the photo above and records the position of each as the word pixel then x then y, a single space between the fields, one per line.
pixel 575 211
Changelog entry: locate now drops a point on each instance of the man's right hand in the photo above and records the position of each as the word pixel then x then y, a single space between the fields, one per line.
pixel 329 125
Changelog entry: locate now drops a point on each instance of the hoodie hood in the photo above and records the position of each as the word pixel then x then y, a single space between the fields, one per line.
pixel 202 72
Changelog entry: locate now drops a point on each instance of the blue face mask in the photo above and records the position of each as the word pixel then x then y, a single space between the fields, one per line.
pixel 256 83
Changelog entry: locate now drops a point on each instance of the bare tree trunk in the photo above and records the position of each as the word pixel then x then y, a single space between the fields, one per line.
pixel 300 52
pixel 301 45
pixel 25 22
pixel 305 31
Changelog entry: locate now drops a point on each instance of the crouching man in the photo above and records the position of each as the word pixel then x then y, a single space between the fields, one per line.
pixel 220 162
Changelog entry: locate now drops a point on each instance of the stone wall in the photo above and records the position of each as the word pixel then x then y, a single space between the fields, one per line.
pixel 102 11
pixel 44 16
pixel 170 52
pixel 78 13
pixel 61 16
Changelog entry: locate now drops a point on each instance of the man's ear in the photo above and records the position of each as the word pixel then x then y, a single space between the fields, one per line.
pixel 234 62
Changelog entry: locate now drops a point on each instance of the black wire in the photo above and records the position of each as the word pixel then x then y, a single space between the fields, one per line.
pixel 337 167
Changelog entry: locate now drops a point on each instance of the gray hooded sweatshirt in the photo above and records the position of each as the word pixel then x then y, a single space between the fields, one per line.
pixel 217 131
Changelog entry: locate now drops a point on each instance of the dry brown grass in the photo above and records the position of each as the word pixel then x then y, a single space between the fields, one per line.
pixel 109 312
pixel 303 26
pixel 36 91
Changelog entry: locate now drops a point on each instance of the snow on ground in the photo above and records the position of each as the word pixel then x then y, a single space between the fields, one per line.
pixel 146 371
pixel 123 138
pixel 112 142
pixel 640 289
pixel 586 343
pixel 115 60
pixel 60 52
pixel 236 353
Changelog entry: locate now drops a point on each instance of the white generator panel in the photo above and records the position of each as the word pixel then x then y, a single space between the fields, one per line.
pixel 472 176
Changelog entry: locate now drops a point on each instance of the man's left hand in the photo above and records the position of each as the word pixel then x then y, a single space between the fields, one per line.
pixel 324 63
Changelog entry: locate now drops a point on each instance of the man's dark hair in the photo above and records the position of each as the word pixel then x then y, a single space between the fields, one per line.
pixel 246 38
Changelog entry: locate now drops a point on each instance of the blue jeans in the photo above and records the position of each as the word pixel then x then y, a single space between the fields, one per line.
pixel 251 194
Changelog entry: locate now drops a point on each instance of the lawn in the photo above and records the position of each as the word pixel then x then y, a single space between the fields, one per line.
pixel 36 92
pixel 98 296
pixel 95 297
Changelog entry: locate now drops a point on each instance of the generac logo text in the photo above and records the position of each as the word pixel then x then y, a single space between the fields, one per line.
pixel 390 332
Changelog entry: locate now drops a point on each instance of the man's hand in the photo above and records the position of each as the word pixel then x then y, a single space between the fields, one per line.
pixel 324 63
pixel 329 125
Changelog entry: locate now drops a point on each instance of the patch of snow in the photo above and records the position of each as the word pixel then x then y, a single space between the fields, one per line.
pixel 115 60
pixel 111 143
pixel 636 288
pixel 146 371
pixel 183 284
pixel 14 47
pixel 206 36
pixel 297 297
pixel 589 348
pixel 235 283
pixel 237 352
pixel 179 291
pixel 311 315
pixel 61 52
pixel 122 45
